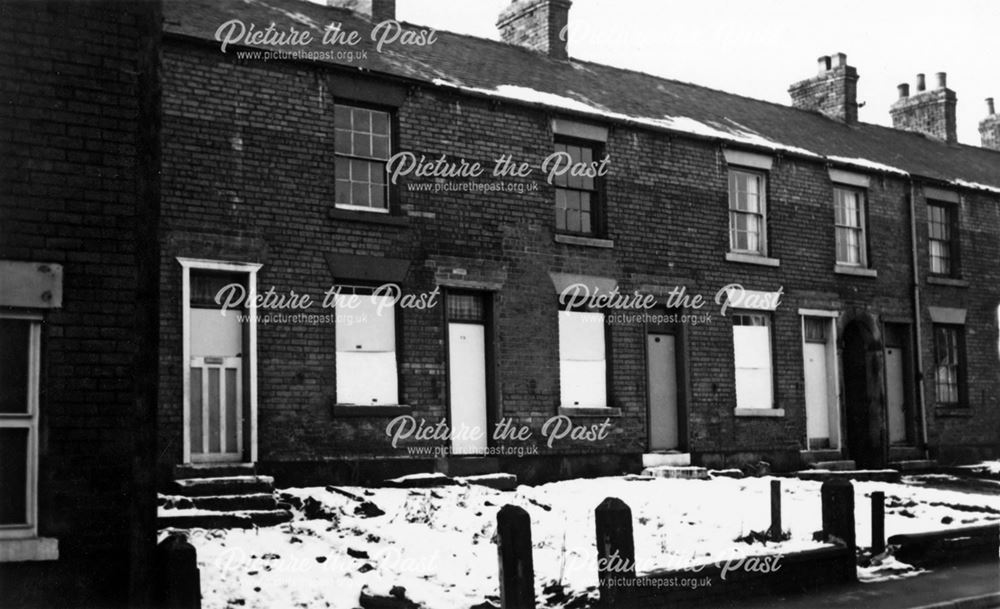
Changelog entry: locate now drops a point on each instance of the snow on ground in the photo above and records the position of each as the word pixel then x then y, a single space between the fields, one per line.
pixel 986 467
pixel 437 542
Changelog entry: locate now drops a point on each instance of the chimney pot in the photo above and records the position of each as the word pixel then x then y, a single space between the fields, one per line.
pixel 921 83
pixel 930 113
pixel 839 60
pixel 990 110
pixel 904 90
pixel 942 80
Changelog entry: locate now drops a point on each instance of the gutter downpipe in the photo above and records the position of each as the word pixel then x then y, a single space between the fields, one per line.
pixel 917 318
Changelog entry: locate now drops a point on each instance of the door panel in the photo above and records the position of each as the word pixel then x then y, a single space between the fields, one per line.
pixel 895 394
pixel 467 387
pixel 664 427
pixel 216 416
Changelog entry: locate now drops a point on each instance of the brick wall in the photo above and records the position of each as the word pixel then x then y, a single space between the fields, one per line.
pixel 928 112
pixel 75 189
pixel 267 201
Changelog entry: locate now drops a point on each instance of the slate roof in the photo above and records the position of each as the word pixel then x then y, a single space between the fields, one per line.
pixel 486 67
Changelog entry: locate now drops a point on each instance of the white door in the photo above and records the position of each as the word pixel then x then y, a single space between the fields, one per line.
pixel 662 377
pixel 817 393
pixel 895 394
pixel 216 387
pixel 467 387
pixel 819 368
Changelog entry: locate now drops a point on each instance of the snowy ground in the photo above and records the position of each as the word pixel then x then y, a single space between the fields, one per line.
pixel 437 543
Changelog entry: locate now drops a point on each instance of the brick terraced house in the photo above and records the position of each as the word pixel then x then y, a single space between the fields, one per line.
pixel 858 262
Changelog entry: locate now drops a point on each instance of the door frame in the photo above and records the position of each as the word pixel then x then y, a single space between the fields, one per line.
pixel 489 348
pixel 249 349
pixel 834 402
pixel 680 363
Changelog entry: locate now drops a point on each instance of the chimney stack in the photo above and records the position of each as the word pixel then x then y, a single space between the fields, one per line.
pixel 377 10
pixel 833 91
pixel 539 25
pixel 989 127
pixel 929 112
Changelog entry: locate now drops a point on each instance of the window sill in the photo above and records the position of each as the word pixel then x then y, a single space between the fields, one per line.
pixel 952 411
pixel 585 241
pixel 353 410
pixel 29 549
pixel 760 412
pixel 575 411
pixel 368 217
pixel 857 271
pixel 752 259
pixel 948 281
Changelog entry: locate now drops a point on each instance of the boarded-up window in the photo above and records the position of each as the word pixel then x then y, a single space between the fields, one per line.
pixel 582 363
pixel 366 351
pixel 752 356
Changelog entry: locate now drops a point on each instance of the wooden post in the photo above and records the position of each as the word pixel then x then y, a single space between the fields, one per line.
pixel 878 522
pixel 178 581
pixel 517 572
pixel 615 549
pixel 776 510
pixel 838 511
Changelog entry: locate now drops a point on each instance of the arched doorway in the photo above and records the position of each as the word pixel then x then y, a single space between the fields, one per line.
pixel 863 408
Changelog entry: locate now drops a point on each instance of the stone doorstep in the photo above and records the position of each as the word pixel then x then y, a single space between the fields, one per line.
pixel 213 470
pixel 655 459
pixel 500 482
pixel 677 472
pixel 244 519
pixel 842 465
pixel 225 485
pixel 915 465
pixel 868 475
pixel 223 503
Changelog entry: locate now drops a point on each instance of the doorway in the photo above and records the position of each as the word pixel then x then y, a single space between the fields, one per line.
pixel 468 372
pixel 863 396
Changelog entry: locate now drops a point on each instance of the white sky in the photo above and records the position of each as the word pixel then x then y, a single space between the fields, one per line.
pixel 757 48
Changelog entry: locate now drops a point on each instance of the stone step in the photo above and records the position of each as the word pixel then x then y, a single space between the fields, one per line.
pixel 221 503
pixel 500 482
pixel 915 465
pixel 656 459
pixel 467 466
pixel 224 485
pixel 200 519
pixel 827 454
pixel 835 466
pixel 872 475
pixel 213 470
pixel 677 472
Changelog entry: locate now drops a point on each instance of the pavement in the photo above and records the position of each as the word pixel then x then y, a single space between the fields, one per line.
pixel 963 586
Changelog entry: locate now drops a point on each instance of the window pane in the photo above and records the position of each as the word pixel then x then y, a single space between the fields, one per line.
pixel 14 335
pixel 466 307
pixel 815 329
pixel 342 141
pixel 13 476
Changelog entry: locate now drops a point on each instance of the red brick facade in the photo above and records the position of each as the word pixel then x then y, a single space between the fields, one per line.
pixel 268 200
